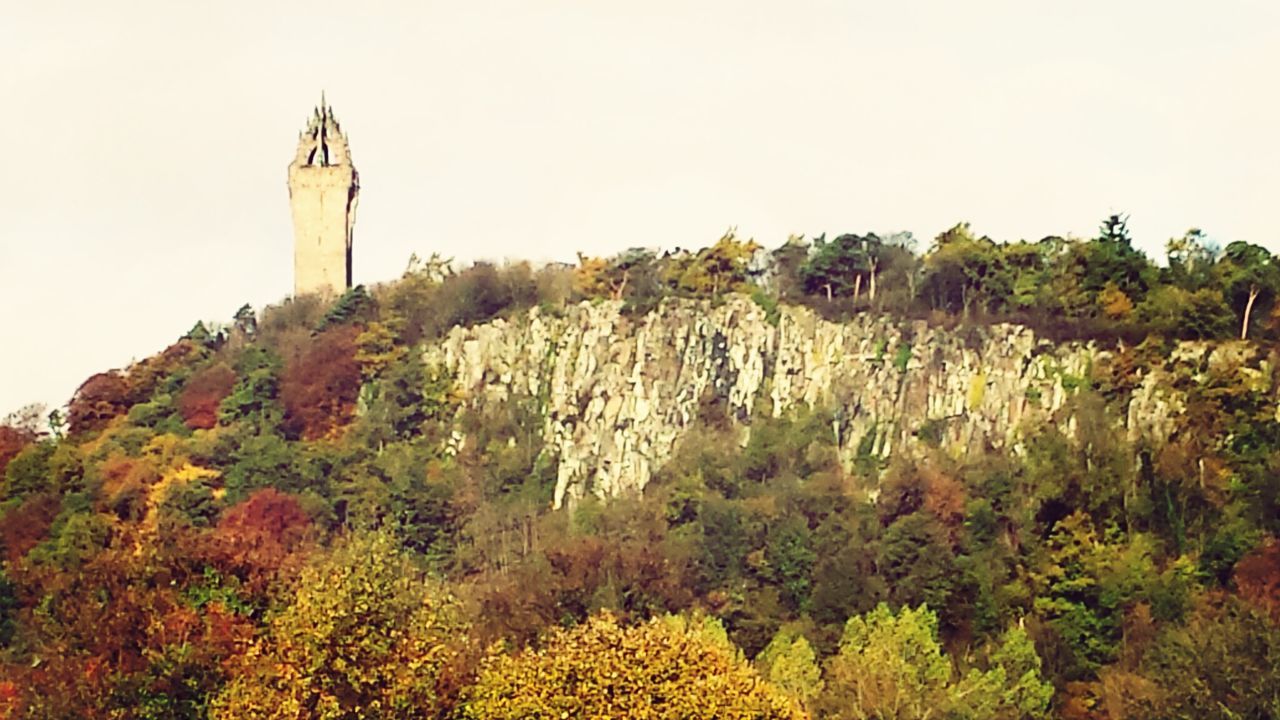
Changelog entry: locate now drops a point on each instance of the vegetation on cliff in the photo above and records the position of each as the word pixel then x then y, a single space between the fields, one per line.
pixel 300 515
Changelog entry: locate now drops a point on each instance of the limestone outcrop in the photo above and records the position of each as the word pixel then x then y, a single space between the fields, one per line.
pixel 618 392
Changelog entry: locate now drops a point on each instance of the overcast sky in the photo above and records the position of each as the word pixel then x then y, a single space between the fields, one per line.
pixel 145 144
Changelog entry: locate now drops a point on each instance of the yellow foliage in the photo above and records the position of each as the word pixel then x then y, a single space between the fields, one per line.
pixel 719 268
pixel 367 636
pixel 670 668
pixel 1114 303
pixel 591 277
pixel 376 347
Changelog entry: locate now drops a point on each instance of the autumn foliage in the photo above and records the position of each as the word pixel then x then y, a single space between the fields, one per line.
pixel 260 539
pixel 1257 577
pixel 320 386
pixel 202 394
pixel 673 667
pixel 101 398
pixel 26 525
pixel 316 516
pixel 12 441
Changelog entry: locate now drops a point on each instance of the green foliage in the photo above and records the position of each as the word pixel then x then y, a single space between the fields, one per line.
pixel 183 542
pixel 888 665
pixel 1224 664
pixel 842 266
pixel 75 537
pixel 768 303
pixel 1112 260
pixel 28 472
pixel 891 665
pixel 254 398
pixel 789 662
pixel 8 608
pixel 406 396
pixel 354 306
pixel 789 552
pixel 1011 687
pixel 902 357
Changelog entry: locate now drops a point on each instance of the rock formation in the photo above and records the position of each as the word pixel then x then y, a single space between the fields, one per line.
pixel 618 392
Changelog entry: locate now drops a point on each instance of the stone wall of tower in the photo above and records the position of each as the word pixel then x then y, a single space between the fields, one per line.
pixel 323 189
pixel 322 199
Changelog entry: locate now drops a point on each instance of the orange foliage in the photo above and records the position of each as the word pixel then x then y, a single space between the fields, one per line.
pixel 10 700
pixel 945 497
pixel 202 394
pixel 1257 578
pixel 262 539
pixel 320 386
pixel 101 398
pixel 125 482
pixel 12 441
pixel 26 525
pixel 110 620
pixel 1114 303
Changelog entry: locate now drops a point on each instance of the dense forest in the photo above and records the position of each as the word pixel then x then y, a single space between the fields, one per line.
pixel 294 515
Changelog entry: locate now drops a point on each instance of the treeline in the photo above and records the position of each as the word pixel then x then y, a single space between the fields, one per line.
pixel 294 516
pixel 1063 287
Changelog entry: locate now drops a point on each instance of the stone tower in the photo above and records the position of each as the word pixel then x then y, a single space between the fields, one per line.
pixel 323 188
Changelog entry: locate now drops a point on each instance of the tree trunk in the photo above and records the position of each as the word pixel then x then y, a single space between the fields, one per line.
pixel 857 288
pixel 1248 308
pixel 871 291
pixel 828 287
pixel 617 291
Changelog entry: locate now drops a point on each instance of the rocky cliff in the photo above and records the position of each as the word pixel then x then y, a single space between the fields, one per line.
pixel 618 392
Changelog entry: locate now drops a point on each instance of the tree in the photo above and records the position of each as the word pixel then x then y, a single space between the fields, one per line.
pixel 723 267
pixel 962 269
pixel 102 397
pixel 203 393
pixel 13 441
pixel 673 667
pixel 260 540
pixel 319 389
pixel 1011 688
pixel 614 278
pixel 844 266
pixel 1257 577
pixel 254 397
pixel 246 321
pixel 366 636
pixel 1251 278
pixel 355 306
pixel 789 662
pixel 1224 663
pixel 1191 259
pixel 1111 259
pixel 890 665
pixel 789 552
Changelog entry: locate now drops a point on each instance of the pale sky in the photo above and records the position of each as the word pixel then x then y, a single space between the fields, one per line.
pixel 142 176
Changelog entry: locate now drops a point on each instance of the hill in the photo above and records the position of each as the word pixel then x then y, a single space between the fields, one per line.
pixel 837 480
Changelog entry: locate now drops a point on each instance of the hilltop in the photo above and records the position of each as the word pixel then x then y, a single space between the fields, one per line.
pixel 988 480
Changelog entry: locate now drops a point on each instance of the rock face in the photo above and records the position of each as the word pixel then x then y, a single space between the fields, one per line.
pixel 618 392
